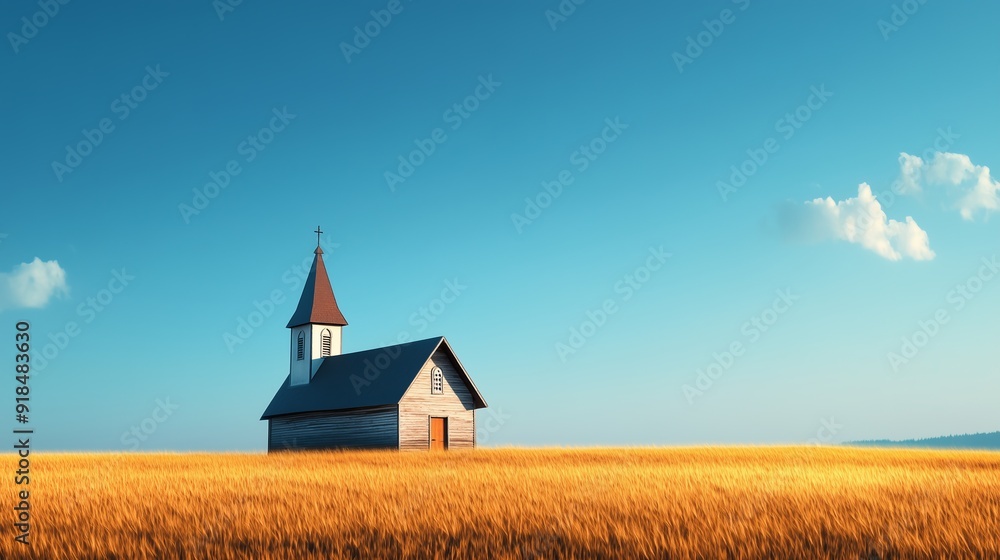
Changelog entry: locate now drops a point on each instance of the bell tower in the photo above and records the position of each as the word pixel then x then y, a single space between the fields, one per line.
pixel 317 324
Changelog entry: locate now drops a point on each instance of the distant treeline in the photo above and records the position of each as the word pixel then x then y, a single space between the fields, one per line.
pixel 965 441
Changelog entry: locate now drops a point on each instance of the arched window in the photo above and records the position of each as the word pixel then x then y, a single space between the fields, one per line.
pixel 437 381
pixel 327 339
pixel 301 352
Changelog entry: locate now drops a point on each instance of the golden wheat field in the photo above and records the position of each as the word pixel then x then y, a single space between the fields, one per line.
pixel 721 502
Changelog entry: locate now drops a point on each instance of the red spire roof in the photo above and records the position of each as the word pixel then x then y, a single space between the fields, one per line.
pixel 317 304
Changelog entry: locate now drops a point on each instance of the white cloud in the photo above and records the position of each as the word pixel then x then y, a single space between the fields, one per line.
pixel 32 284
pixel 909 173
pixel 971 185
pixel 860 220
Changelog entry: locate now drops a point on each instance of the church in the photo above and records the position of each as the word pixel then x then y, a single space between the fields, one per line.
pixel 411 396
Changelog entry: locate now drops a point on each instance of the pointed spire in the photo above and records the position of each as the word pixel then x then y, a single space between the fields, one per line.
pixel 317 304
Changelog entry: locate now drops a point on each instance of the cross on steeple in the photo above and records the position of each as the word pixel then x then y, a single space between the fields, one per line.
pixel 316 326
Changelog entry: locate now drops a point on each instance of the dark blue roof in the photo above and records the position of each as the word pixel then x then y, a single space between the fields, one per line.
pixel 375 377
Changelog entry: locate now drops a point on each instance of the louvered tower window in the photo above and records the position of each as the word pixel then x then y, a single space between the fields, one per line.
pixel 437 381
pixel 327 339
pixel 301 351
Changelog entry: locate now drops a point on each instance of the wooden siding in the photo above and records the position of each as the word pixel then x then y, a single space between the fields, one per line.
pixel 375 427
pixel 418 405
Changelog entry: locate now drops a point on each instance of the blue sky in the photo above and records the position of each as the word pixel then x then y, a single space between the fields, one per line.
pixel 800 308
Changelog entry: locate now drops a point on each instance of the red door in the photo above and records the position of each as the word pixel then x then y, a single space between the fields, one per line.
pixel 439 434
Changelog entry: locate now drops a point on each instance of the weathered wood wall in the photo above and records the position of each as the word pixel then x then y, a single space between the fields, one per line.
pixel 419 404
pixel 375 427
